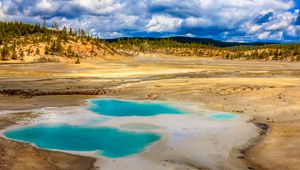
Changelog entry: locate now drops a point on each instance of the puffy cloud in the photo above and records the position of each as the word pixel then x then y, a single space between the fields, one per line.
pixel 161 23
pixel 239 20
pixel 44 5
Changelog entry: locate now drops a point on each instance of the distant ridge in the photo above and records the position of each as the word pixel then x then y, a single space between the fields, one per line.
pixel 182 39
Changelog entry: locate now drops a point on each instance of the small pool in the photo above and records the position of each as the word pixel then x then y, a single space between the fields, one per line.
pixel 223 116
pixel 114 107
pixel 110 142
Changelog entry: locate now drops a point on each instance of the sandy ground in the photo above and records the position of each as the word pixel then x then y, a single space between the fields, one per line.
pixel 268 91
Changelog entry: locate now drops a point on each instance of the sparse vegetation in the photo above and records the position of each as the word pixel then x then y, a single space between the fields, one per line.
pixel 18 40
pixel 275 52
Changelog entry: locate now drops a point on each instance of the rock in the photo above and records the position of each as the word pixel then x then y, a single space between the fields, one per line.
pixel 262 126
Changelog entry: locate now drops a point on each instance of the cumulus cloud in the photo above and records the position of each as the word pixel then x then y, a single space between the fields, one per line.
pixel 240 20
pixel 161 23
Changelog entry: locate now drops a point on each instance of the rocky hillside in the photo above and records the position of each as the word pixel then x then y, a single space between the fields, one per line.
pixel 27 43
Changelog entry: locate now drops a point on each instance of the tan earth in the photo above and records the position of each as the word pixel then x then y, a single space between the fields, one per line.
pixel 268 91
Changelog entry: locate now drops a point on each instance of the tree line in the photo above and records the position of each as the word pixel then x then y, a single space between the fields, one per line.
pixel 277 52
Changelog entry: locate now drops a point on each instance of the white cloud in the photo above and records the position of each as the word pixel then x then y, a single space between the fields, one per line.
pixel 198 22
pixel 234 19
pixel 190 35
pixel 161 23
pixel 100 6
pixel 264 35
pixel 44 5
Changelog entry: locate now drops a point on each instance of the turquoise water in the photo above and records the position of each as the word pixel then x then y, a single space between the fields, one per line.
pixel 110 142
pixel 223 116
pixel 113 107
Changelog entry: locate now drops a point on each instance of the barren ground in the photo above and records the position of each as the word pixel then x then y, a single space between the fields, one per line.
pixel 268 91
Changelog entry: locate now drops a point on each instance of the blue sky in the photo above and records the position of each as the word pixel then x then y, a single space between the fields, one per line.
pixel 227 20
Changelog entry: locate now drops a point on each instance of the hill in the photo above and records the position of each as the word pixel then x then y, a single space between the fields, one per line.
pixel 21 42
pixel 34 43
pixel 199 47
pixel 182 39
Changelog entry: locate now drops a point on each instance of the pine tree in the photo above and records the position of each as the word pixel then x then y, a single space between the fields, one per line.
pixel 255 54
pixel 77 61
pixel 71 31
pixel 5 52
pixel 14 53
pixel 70 52
pixel 56 47
pixel 64 35
pixel 59 47
pixel 46 50
pixel 44 24
pixel 227 56
pixel 54 26
pixel 37 51
pixel 276 55
pixel 22 55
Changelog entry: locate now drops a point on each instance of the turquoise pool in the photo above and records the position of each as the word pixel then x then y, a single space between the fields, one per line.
pixel 113 107
pixel 223 116
pixel 110 142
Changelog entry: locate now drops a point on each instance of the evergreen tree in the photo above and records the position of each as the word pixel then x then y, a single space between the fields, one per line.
pixel 22 55
pixel 77 61
pixel 227 56
pixel 70 31
pixel 64 35
pixel 37 51
pixel 56 47
pixel 70 52
pixel 44 24
pixel 276 55
pixel 54 26
pixel 14 55
pixel 46 50
pixel 5 52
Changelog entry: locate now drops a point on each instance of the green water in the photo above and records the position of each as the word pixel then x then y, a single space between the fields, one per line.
pixel 110 142
pixel 113 107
